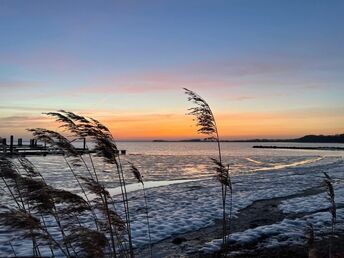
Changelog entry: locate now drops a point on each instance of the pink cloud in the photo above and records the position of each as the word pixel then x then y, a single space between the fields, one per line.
pixel 241 98
pixel 208 75
pixel 211 74
pixel 154 81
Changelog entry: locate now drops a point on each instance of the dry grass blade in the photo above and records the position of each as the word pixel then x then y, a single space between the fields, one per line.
pixel 88 242
pixel 106 149
pixel 67 123
pixel 55 139
pixel 331 197
pixel 28 166
pixel 83 127
pixel 139 178
pixel 310 236
pixel 43 197
pixel 36 192
pixel 207 125
pixel 17 219
pixel 74 204
pixel 333 209
pixel 116 219
pixel 327 176
pixel 136 173
pixel 202 112
pixel 95 187
pixel 74 117
pixel 100 126
pixel 222 173
pixel 7 170
pixel 61 196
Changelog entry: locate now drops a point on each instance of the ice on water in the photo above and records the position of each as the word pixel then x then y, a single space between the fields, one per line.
pixel 184 196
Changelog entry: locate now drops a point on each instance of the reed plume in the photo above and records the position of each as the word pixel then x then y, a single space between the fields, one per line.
pixel 105 147
pixel 32 200
pixel 139 178
pixel 28 167
pixel 70 212
pixel 206 123
pixel 87 242
pixel 55 139
pixel 332 209
pixel 18 219
pixel 136 173
pixel 35 196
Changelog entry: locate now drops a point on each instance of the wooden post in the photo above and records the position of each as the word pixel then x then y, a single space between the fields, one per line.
pixel 11 144
pixel 31 143
pixel 84 139
pixel 4 145
pixel 123 152
pixel 20 142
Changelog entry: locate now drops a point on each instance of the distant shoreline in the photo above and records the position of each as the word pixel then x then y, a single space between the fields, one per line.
pixel 305 139
pixel 299 148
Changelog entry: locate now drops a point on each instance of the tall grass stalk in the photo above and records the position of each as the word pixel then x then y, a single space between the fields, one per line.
pixel 24 216
pixel 105 148
pixel 10 243
pixel 139 178
pixel 206 123
pixel 36 200
pixel 333 209
pixel 310 236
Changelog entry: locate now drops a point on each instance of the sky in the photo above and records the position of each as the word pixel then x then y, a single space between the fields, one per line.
pixel 268 68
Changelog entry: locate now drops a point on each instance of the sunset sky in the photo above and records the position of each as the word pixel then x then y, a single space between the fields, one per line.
pixel 272 69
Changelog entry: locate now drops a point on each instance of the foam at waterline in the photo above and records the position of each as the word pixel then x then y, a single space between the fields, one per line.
pixel 149 184
pixel 294 164
pixel 255 161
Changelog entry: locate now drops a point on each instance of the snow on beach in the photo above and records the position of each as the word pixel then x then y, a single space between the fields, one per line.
pixel 313 210
pixel 183 196
pixel 180 208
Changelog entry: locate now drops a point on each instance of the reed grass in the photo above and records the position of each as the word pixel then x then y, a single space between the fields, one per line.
pixel 105 148
pixel 310 236
pixel 206 123
pixel 137 174
pixel 328 182
pixel 35 202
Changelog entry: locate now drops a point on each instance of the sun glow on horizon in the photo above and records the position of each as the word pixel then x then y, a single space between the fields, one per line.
pixel 178 126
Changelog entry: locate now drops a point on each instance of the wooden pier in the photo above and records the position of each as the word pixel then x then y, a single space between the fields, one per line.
pixel 38 149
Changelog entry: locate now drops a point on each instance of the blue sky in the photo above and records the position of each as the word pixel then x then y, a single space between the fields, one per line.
pixel 124 60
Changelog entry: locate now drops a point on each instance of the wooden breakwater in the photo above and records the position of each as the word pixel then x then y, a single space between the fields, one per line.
pixel 299 148
pixel 34 148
